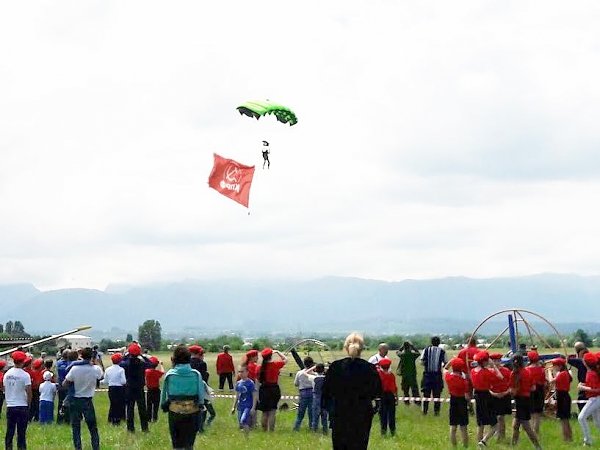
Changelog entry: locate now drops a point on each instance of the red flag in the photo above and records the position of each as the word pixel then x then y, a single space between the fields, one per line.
pixel 231 179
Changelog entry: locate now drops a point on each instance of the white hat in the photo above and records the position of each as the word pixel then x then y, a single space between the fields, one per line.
pixel 48 375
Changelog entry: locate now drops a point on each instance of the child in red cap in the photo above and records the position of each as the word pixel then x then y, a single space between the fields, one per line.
pixel 114 377
pixel 459 389
pixel 591 387
pixel 521 386
pixel 501 399
pixel 561 378
pixel 389 399
pixel 17 389
pixel 538 377
pixel 482 377
pixel 269 392
pixel 253 367
pixel 153 376
pixel 36 372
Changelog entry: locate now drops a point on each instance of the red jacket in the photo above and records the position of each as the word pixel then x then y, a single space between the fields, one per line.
pixel 388 382
pixel 225 363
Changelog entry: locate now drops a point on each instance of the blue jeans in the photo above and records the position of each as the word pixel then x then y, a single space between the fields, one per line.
pixel 318 413
pixel 306 402
pixel 16 418
pixel 83 408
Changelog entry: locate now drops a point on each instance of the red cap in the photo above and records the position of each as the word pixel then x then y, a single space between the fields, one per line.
pixel 37 363
pixel 458 365
pixel 559 362
pixel 481 356
pixel 18 356
pixel 495 356
pixel 116 358
pixel 590 359
pixel 27 361
pixel 196 349
pixel 251 353
pixel 266 352
pixel 533 356
pixel 154 360
pixel 385 362
pixel 2 364
pixel 135 350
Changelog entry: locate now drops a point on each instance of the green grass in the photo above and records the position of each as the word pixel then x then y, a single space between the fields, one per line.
pixel 413 430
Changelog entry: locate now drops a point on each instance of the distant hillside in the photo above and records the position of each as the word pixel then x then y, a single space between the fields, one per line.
pixel 327 304
pixel 14 295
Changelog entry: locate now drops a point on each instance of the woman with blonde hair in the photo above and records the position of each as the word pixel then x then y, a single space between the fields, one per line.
pixel 352 390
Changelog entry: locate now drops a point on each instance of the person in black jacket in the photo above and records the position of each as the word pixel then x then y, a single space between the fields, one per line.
pixel 197 362
pixel 352 389
pixel 135 366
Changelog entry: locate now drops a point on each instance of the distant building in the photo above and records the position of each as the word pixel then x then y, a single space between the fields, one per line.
pixel 74 341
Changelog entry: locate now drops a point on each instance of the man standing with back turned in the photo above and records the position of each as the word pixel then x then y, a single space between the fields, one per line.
pixel 17 390
pixel 84 378
pixel 433 359
pixel 382 351
pixel 407 369
pixel 225 368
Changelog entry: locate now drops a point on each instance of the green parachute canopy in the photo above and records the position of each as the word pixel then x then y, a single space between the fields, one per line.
pixel 257 109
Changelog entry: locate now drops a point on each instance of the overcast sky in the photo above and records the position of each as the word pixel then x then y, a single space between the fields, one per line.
pixel 434 139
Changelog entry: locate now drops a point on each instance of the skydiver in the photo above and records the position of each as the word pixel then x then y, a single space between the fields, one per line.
pixel 265 154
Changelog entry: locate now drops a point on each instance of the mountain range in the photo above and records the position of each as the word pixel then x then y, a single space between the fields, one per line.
pixel 330 304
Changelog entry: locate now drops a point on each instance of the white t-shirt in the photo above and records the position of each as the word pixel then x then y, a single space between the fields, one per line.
pixel 47 391
pixel 84 379
pixel 376 358
pixel 115 376
pixel 304 380
pixel 15 383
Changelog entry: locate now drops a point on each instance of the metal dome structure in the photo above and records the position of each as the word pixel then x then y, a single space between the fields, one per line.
pixel 315 345
pixel 521 330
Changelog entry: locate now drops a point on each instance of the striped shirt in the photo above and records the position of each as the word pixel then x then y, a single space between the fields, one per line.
pixel 433 359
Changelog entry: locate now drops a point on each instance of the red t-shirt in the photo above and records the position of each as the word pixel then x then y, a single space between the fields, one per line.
pixel 457 385
pixel 525 383
pixel 388 382
pixel 482 379
pixel 225 363
pixel 501 385
pixel 538 375
pixel 37 377
pixel 469 353
pixel 593 381
pixel 153 377
pixel 253 370
pixel 272 372
pixel 563 381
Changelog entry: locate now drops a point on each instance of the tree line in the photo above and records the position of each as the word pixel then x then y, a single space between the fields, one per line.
pixel 12 329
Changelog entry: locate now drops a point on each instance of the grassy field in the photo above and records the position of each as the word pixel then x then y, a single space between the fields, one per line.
pixel 413 430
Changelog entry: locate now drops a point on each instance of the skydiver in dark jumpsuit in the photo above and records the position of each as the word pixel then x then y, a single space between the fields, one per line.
pixel 265 154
